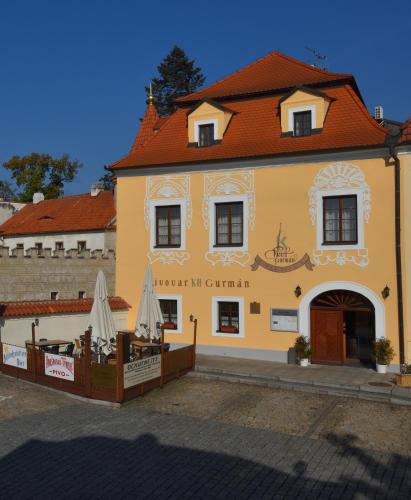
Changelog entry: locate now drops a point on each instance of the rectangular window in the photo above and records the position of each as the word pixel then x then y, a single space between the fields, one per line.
pixel 228 317
pixel 340 220
pixel 54 295
pixel 82 295
pixel 81 246
pixel 229 224
pixel 39 248
pixel 59 245
pixel 169 311
pixel 20 245
pixel 302 123
pixel 205 135
pixel 168 226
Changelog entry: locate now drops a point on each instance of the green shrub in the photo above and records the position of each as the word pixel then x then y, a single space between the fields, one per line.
pixel 383 351
pixel 302 347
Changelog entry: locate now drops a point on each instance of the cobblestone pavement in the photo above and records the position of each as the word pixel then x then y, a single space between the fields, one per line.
pixel 202 439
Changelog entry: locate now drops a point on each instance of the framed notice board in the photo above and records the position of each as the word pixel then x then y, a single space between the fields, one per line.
pixel 284 320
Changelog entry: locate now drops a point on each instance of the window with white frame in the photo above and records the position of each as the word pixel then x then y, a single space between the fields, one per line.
pixel 301 120
pixel 205 132
pixel 171 308
pixel 228 316
pixel 228 223
pixel 339 221
pixel 167 220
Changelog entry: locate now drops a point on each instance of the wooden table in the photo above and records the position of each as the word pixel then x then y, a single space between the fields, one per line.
pixel 48 343
pixel 138 345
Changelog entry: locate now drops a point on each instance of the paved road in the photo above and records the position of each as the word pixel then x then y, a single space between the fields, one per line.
pixel 201 439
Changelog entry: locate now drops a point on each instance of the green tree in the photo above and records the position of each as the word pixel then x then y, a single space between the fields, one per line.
pixel 178 76
pixel 107 180
pixel 41 173
pixel 6 191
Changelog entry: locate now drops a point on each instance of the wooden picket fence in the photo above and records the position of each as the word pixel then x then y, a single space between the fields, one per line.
pixel 102 381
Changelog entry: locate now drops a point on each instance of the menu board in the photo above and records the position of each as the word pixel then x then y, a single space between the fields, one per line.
pixel 284 320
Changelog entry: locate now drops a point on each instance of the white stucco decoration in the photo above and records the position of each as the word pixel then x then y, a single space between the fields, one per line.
pixel 161 188
pixel 333 180
pixel 304 309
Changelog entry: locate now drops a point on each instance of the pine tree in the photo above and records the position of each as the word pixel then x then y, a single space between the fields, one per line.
pixel 178 76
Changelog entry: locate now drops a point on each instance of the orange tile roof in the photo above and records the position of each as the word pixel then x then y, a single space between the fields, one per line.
pixel 406 131
pixel 65 306
pixel 147 127
pixel 255 131
pixel 275 71
pixel 77 213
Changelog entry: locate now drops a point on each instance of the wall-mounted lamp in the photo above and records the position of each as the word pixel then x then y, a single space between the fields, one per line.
pixel 191 318
pixel 386 292
pixel 36 322
pixel 297 291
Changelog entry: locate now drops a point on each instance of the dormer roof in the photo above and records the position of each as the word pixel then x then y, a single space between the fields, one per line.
pixel 306 90
pixel 213 103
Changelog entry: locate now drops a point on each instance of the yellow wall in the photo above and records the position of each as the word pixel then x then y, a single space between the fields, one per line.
pixel 405 162
pixel 208 112
pixel 281 195
pixel 301 99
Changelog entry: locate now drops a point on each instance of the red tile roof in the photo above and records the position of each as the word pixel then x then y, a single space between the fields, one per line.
pixel 47 307
pixel 69 214
pixel 275 71
pixel 147 128
pixel 406 131
pixel 255 131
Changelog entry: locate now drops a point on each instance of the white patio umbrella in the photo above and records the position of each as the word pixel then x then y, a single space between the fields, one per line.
pixel 101 319
pixel 149 313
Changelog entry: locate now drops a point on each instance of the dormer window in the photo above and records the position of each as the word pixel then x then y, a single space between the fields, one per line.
pixel 302 123
pixel 205 135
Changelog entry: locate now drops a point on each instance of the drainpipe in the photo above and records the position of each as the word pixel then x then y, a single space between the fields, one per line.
pixel 398 260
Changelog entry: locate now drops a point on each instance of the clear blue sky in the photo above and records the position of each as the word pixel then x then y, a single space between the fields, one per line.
pixel 73 71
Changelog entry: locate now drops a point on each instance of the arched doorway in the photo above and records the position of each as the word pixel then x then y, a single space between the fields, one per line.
pixel 342 328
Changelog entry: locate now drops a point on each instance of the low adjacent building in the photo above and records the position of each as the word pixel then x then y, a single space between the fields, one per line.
pixel 53 249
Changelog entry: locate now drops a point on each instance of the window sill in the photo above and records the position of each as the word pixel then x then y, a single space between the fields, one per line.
pixel 166 247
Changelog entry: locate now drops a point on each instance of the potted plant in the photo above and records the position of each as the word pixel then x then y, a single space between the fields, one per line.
pixel 302 348
pixel 384 354
pixel 404 377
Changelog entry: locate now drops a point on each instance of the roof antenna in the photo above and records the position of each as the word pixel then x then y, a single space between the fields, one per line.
pixel 318 57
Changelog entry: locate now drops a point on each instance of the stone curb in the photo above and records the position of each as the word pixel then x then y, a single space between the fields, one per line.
pixel 371 393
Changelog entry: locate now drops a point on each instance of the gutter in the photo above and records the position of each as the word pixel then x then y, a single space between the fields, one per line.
pixel 398 260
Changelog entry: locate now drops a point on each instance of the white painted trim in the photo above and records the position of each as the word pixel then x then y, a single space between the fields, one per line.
pixel 291 112
pixel 164 202
pixel 212 216
pixel 360 219
pixel 304 309
pixel 197 124
pixel 179 299
pixel 214 316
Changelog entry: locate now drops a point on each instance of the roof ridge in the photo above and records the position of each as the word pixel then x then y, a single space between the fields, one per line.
pixel 258 61
pixel 230 75
pixel 310 66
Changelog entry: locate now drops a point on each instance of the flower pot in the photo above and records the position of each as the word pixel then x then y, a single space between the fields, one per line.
pixel 381 368
pixel 404 380
pixel 304 362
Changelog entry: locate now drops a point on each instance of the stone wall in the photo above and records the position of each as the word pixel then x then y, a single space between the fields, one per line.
pixel 31 276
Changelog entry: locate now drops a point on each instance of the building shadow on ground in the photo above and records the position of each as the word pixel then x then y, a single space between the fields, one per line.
pixel 101 467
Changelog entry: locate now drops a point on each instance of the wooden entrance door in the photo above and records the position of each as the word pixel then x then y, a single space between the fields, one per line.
pixel 327 336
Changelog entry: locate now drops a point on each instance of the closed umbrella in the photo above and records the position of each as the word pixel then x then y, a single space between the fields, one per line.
pixel 149 313
pixel 101 319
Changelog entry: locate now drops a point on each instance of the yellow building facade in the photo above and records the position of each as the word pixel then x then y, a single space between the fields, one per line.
pixel 265 215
